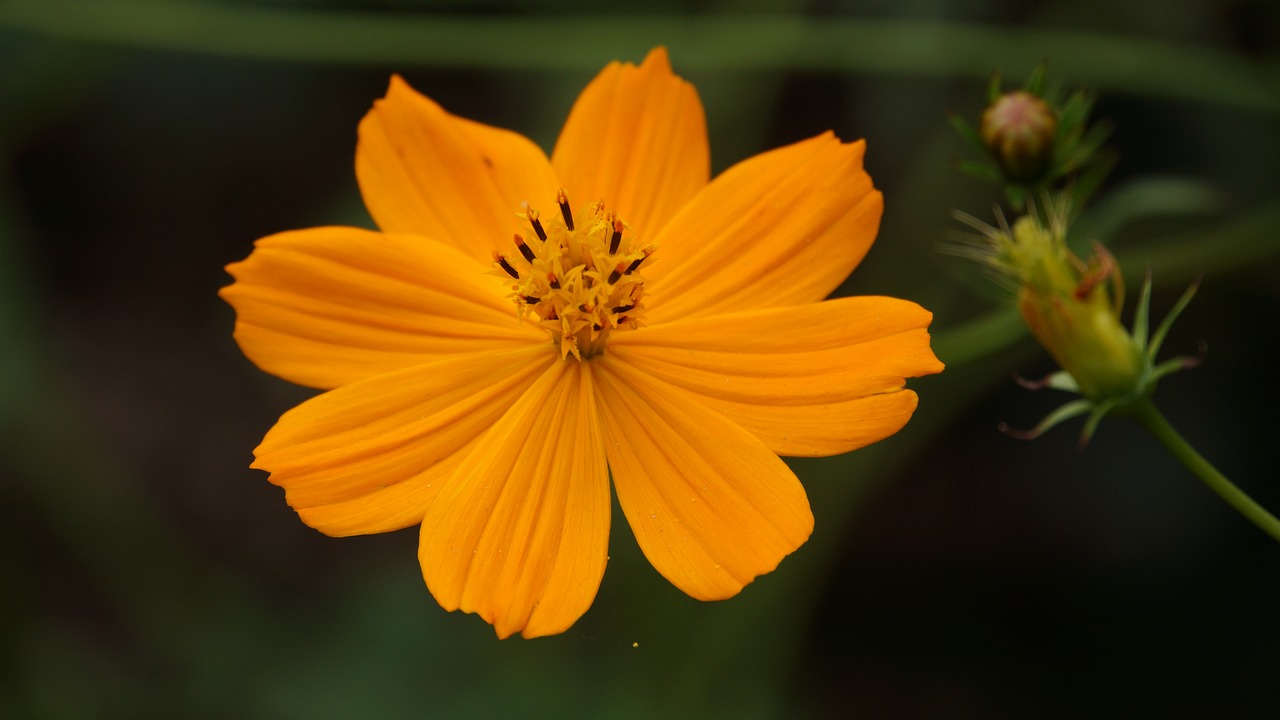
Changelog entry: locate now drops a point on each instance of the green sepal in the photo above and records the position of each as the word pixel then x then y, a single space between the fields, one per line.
pixel 967 131
pixel 1016 195
pixel 1035 83
pixel 1142 314
pixel 1060 380
pixel 1095 417
pixel 979 169
pixel 1075 408
pixel 993 87
pixel 1090 180
pixel 1173 365
pixel 1158 339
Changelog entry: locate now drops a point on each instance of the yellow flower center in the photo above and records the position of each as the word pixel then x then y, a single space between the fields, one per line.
pixel 576 277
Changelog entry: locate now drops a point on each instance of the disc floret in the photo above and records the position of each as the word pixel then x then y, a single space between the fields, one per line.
pixel 576 277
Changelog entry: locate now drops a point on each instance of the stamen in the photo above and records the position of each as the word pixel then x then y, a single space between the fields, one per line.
pixel 619 271
pixel 617 235
pixel 537 224
pixel 506 266
pixel 525 250
pixel 563 200
pixel 575 280
pixel 632 267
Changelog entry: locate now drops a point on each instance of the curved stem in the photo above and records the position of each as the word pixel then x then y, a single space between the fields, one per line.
pixel 1155 423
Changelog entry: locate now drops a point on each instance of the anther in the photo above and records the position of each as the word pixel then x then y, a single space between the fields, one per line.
pixel 525 250
pixel 632 267
pixel 623 308
pixel 537 224
pixel 563 200
pixel 617 235
pixel 530 299
pixel 555 282
pixel 619 271
pixel 502 263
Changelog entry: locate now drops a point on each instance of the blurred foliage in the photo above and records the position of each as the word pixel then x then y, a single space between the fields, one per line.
pixel 954 572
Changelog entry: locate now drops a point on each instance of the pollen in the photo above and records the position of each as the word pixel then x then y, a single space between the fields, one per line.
pixel 575 275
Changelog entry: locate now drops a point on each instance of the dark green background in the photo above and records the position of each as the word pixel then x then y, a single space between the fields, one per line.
pixel 954 573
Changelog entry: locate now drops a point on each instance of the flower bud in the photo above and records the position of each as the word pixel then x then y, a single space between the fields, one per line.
pixel 1018 130
pixel 1066 305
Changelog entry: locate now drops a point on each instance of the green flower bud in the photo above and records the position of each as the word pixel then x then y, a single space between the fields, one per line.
pixel 1018 130
pixel 1066 305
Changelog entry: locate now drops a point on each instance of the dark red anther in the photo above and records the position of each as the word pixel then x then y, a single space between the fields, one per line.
pixel 525 250
pixel 617 273
pixel 531 300
pixel 632 267
pixel 617 235
pixel 623 308
pixel 537 225
pixel 502 263
pixel 563 201
pixel 555 282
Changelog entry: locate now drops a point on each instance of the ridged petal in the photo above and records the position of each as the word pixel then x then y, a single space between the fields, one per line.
pixel 426 172
pixel 371 456
pixel 817 379
pixel 711 507
pixel 637 139
pixel 328 306
pixel 782 228
pixel 520 534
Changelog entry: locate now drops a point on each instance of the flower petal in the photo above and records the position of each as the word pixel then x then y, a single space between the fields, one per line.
pixel 328 306
pixel 637 139
pixel 371 456
pixel 818 379
pixel 711 506
pixel 782 228
pixel 520 534
pixel 425 172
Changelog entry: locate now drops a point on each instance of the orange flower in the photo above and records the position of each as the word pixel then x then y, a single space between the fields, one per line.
pixel 520 329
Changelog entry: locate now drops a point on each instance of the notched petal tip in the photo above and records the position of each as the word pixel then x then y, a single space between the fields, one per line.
pixel 397 83
pixel 407 142
pixel 857 149
pixel 658 57
pixel 637 138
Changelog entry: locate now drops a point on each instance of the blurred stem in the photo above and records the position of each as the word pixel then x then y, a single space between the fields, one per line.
pixel 1146 413
pixel 980 337
pixel 887 46
pixel 1240 240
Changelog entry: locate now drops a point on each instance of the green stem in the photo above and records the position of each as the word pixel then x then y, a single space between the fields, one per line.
pixel 1155 423
pixel 291 31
